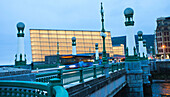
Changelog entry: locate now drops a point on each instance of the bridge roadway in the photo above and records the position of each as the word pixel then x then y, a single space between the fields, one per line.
pixel 89 80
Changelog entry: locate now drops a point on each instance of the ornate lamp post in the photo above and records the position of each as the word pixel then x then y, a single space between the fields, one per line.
pixel 132 62
pixel 20 56
pixel 104 58
pixel 140 40
pixel 145 50
pixel 130 40
pixel 74 46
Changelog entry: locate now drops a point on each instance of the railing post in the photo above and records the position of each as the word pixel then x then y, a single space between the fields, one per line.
pixel 112 67
pixel 81 75
pixel 117 68
pixel 53 82
pixel 120 66
pixel 56 88
pixel 94 69
pixel 60 74
pixel 102 70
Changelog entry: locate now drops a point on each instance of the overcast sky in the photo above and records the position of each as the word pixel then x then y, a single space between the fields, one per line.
pixel 72 15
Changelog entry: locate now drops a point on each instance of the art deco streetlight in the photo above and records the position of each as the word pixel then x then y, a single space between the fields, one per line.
pixel 20 56
pixel 163 46
pixel 103 34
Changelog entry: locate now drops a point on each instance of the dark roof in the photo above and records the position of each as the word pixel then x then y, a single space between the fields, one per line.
pixel 116 41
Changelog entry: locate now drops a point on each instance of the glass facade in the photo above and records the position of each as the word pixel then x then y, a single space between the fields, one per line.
pixel 44 42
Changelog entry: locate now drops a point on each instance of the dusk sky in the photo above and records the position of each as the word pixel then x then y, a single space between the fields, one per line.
pixel 72 15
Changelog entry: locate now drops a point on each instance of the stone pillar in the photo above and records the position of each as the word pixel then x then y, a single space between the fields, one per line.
pixel 134 78
pixel 74 46
pixel 144 61
pixel 132 62
pixel 20 56
pixel 146 71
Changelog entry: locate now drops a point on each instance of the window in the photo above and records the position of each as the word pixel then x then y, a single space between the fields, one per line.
pixel 164 38
pixel 169 44
pixel 166 28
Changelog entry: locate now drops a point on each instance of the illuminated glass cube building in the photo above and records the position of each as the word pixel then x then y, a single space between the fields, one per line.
pixel 44 42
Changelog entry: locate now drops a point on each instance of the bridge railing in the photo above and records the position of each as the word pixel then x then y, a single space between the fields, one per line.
pixel 116 66
pixel 74 75
pixel 9 88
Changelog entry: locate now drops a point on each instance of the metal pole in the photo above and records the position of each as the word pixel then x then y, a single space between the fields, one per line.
pixel 104 58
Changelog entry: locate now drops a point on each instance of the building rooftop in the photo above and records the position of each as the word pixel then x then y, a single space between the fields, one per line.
pixel 68 30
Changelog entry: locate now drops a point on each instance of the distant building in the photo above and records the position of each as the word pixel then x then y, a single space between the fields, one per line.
pixel 118 42
pixel 149 42
pixel 119 50
pixel 163 35
pixel 44 42
pixel 119 45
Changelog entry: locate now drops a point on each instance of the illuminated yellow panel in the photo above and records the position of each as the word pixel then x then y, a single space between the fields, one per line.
pixel 43 32
pixel 44 39
pixel 34 31
pixel 61 32
pixel 34 35
pixel 52 32
pixel 35 39
pixel 78 32
pixel 70 32
pixel 35 43
pixel 53 36
pixel 119 50
pixel 35 47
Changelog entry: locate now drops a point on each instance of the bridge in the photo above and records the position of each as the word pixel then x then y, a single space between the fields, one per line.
pixel 105 80
pixel 91 81
pixel 88 81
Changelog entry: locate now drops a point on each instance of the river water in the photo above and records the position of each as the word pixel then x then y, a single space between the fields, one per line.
pixel 160 88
